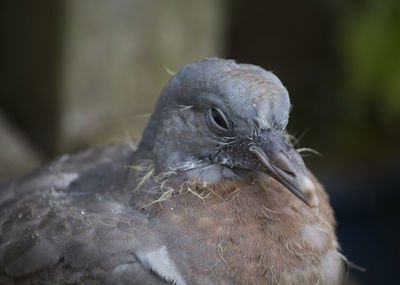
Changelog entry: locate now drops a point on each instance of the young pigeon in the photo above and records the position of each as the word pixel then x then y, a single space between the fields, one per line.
pixel 213 194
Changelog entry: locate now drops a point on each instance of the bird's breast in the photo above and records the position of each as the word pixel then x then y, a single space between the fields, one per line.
pixel 250 234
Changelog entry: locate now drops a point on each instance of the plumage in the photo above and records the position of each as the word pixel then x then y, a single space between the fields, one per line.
pixel 205 198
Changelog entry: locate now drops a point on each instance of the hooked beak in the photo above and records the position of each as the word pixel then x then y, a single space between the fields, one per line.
pixel 285 164
pixel 292 176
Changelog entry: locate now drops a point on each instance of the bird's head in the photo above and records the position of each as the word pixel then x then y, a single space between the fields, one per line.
pixel 216 120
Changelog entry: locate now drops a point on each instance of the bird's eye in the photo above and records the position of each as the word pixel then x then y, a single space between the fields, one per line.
pixel 217 119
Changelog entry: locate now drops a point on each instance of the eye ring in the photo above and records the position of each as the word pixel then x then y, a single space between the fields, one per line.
pixel 218 120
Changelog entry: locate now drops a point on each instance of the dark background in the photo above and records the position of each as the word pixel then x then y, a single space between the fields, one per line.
pixel 340 61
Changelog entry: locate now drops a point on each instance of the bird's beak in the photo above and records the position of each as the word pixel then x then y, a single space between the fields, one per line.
pixel 284 163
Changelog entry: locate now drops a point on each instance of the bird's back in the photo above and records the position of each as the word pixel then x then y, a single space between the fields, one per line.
pixel 71 222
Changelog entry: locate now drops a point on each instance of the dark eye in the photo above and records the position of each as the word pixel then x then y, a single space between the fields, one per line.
pixel 217 119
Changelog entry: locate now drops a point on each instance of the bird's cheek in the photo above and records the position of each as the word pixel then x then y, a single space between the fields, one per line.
pixel 237 156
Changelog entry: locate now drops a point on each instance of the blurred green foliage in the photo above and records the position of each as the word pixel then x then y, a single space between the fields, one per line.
pixel 369 37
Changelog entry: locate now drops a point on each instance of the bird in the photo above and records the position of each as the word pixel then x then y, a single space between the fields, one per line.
pixel 214 193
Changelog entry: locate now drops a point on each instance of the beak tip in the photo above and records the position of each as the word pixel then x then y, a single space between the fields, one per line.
pixel 307 185
pixel 309 190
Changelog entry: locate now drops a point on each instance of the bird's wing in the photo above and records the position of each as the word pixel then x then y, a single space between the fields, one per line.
pixel 71 221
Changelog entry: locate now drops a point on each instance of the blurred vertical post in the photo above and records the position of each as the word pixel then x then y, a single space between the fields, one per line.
pixel 116 57
pixel 79 73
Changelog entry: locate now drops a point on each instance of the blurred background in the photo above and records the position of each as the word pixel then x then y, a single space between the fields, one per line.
pixel 78 73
